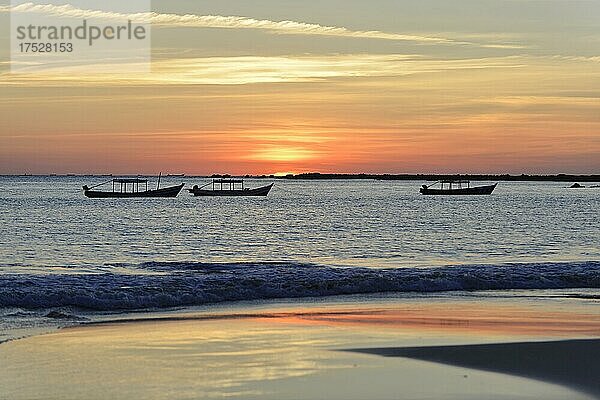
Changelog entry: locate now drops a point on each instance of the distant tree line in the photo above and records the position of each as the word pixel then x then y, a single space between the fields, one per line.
pixel 436 177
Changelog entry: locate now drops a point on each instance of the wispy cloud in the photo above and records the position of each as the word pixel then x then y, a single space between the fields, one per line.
pixel 239 22
pixel 577 58
pixel 252 69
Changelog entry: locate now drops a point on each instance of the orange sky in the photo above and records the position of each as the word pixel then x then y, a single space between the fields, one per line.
pixel 438 101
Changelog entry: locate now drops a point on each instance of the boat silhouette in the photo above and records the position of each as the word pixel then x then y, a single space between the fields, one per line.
pixel 121 189
pixel 455 187
pixel 229 187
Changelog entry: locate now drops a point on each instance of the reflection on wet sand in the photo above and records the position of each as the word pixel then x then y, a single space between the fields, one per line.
pixel 291 352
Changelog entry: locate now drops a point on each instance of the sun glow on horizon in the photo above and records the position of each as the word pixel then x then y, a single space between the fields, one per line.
pixel 286 173
pixel 253 98
pixel 283 154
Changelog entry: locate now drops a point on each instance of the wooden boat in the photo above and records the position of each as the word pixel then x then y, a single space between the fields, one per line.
pixel 229 187
pixel 457 188
pixel 121 189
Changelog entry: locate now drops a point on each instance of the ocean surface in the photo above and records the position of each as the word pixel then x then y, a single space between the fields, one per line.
pixel 61 253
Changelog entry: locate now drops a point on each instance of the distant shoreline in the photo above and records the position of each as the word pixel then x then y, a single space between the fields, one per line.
pixel 381 177
pixel 436 177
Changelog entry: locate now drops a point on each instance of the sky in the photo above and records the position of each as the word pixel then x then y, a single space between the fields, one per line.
pixel 380 86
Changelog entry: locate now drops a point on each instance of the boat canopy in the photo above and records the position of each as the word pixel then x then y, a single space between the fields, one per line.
pixel 450 183
pixel 228 181
pixel 121 184
pixel 454 181
pixel 130 180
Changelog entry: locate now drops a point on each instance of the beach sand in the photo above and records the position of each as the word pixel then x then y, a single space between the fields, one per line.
pixel 573 363
pixel 352 348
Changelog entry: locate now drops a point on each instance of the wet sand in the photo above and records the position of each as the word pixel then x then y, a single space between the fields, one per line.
pixel 573 363
pixel 435 348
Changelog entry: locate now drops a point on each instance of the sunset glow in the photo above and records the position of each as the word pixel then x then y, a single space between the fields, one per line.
pixel 257 90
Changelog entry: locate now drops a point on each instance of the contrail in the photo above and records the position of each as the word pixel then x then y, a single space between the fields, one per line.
pixel 218 21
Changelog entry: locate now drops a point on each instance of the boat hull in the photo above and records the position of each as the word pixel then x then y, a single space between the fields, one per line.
pixel 171 191
pixel 479 190
pixel 261 191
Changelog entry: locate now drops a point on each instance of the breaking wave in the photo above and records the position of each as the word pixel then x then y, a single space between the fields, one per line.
pixel 188 284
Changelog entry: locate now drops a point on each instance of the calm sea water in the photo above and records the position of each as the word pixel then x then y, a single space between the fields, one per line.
pixel 307 238
pixel 46 221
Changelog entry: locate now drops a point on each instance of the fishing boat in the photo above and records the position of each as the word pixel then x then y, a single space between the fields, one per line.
pixel 456 187
pixel 129 188
pixel 229 187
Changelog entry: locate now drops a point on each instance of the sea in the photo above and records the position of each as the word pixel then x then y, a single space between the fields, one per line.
pixel 65 258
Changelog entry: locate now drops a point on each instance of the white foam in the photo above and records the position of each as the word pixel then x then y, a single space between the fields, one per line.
pixel 189 284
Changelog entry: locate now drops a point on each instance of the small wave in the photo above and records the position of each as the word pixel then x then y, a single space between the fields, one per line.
pixel 189 283
pixel 65 316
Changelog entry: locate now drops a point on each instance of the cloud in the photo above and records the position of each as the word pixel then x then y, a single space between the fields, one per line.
pixel 230 22
pixel 577 58
pixel 254 69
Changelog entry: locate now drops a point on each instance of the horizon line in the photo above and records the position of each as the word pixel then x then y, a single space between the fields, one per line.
pixel 317 174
